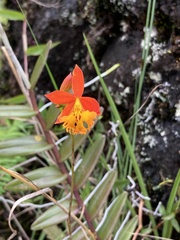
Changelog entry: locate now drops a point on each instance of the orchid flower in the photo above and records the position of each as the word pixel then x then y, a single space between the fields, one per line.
pixel 79 113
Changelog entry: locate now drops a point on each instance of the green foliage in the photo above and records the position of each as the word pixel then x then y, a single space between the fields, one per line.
pixel 127 230
pixel 42 177
pixel 7 14
pixel 9 130
pixel 90 159
pixel 41 61
pixel 54 215
pixel 23 146
pixel 111 216
pixel 38 49
pixel 12 15
pixel 21 111
pixel 19 99
pixel 169 214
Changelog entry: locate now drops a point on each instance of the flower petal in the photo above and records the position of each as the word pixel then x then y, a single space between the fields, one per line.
pixel 67 83
pixel 90 104
pixel 66 111
pixel 60 97
pixel 77 81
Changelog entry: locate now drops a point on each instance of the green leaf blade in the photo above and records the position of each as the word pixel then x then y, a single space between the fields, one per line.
pixel 99 195
pixel 41 177
pixel 11 15
pixel 66 148
pixel 54 215
pixel 38 49
pixel 14 111
pixel 128 230
pixel 89 161
pixel 111 216
pixel 41 61
pixel 23 146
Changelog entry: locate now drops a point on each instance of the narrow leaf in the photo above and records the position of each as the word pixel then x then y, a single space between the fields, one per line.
pixel 100 193
pixel 78 234
pixel 38 49
pixel 41 177
pixel 25 150
pixel 11 15
pixel 28 140
pixel 54 215
pixel 89 161
pixel 41 61
pixel 66 148
pixel 111 216
pixel 14 100
pixel 167 227
pixel 21 111
pixel 128 230
pixel 175 225
pixel 51 116
pixel 54 232
pixel 30 145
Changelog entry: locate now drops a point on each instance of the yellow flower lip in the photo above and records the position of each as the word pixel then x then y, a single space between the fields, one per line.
pixel 79 121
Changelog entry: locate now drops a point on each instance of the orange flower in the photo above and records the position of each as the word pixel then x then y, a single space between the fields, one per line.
pixel 79 113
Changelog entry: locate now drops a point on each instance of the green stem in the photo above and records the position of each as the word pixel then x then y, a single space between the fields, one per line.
pixel 123 133
pixel 72 186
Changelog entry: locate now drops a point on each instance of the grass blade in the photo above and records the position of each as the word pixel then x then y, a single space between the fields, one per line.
pixel 41 61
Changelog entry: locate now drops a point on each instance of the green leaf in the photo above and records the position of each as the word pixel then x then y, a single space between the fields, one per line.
pixel 51 115
pixel 33 139
pixel 175 225
pixel 66 148
pixel 169 217
pixel 37 50
pixel 111 216
pixel 162 210
pixel 128 230
pixel 54 215
pixel 54 233
pixel 23 146
pixel 89 161
pixel 167 227
pixel 42 177
pixel 78 234
pixel 98 196
pixel 41 61
pixel 11 15
pixel 14 100
pixel 21 111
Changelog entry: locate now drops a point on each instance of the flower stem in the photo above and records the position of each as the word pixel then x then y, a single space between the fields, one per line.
pixel 72 185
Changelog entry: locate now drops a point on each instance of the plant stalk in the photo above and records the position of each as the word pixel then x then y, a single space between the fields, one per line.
pixel 72 186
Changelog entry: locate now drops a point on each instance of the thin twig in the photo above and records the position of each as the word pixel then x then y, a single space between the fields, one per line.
pixel 72 186
pixel 16 74
pixel 144 103
pixel 13 57
pixel 25 45
pixel 23 233
pixel 140 220
pixel 43 192
pixel 47 5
